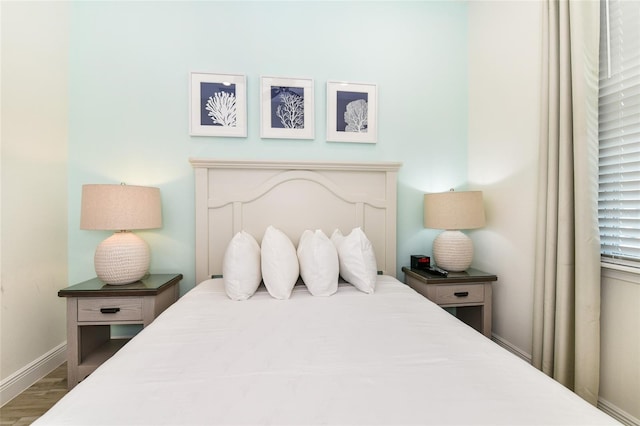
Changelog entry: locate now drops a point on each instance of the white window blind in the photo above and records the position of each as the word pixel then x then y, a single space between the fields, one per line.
pixel 619 132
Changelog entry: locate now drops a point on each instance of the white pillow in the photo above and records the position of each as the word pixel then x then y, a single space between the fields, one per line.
pixel 280 269
pixel 318 260
pixel 357 259
pixel 241 271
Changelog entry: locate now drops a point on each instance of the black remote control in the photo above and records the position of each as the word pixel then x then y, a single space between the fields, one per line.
pixel 437 271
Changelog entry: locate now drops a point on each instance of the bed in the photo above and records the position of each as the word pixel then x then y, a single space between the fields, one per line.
pixel 391 357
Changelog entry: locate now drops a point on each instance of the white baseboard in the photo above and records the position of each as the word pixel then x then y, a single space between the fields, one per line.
pixel 511 348
pixel 618 414
pixel 20 381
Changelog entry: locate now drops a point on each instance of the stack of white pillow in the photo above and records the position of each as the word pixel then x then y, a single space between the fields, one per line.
pixel 319 261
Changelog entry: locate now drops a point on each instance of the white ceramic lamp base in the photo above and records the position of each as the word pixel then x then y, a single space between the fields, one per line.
pixel 453 251
pixel 122 258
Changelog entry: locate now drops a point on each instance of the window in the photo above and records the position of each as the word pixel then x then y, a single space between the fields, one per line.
pixel 619 132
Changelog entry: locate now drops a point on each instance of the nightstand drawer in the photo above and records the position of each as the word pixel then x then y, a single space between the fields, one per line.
pixel 451 294
pixel 110 309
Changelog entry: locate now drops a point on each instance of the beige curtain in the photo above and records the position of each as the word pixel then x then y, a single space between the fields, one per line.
pixel 566 334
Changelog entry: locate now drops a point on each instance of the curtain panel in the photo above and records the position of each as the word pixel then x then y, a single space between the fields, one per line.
pixel 566 334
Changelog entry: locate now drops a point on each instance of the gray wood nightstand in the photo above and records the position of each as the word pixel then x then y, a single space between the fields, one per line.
pixel 93 307
pixel 469 292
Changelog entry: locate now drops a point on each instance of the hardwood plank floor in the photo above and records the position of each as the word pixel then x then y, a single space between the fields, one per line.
pixel 25 408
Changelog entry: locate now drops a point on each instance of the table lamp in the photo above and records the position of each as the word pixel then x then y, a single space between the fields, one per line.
pixel 453 211
pixel 124 257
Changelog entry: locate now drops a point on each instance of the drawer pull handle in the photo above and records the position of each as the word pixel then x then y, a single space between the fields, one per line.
pixel 461 294
pixel 109 310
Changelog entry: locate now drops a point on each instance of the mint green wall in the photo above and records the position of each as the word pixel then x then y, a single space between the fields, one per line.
pixel 128 100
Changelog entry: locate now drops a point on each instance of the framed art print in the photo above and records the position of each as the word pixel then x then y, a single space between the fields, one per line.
pixel 218 105
pixel 352 112
pixel 286 108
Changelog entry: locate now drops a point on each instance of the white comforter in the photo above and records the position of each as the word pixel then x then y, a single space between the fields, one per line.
pixel 391 358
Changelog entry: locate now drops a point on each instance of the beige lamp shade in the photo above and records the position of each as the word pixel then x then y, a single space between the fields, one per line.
pixel 120 207
pixel 124 257
pixel 452 211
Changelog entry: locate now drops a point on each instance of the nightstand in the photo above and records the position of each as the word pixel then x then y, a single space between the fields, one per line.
pixel 93 307
pixel 469 292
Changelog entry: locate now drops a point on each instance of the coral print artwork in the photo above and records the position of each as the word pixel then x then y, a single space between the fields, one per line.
pixel 352 112
pixel 218 104
pixel 287 107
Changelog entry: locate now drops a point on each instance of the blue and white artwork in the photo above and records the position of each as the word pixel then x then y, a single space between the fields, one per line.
pixel 287 107
pixel 218 104
pixel 352 111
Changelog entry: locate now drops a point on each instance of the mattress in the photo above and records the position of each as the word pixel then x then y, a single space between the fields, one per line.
pixel 387 358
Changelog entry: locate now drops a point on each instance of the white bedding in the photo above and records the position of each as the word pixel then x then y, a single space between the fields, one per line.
pixel 389 358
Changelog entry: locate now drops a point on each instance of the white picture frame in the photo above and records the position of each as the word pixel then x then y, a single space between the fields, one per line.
pixel 218 105
pixel 287 108
pixel 359 101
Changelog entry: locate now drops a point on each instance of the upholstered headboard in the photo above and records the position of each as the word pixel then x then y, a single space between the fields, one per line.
pixel 235 195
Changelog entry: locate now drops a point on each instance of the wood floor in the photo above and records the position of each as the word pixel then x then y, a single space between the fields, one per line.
pixel 25 408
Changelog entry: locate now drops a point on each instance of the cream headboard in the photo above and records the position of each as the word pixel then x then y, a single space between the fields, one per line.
pixel 293 196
